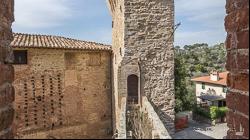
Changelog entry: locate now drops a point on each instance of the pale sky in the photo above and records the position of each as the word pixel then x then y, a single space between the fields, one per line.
pixel 202 21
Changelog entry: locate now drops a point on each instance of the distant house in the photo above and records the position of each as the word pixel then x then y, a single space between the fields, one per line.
pixel 211 90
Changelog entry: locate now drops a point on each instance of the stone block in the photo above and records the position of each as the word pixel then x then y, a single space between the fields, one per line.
pixel 6 117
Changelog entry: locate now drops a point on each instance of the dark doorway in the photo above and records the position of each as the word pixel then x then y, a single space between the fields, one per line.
pixel 132 85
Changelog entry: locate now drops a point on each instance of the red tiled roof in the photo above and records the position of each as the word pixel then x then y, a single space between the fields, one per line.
pixel 206 79
pixel 55 42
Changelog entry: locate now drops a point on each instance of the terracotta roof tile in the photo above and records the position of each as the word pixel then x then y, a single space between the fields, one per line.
pixel 206 79
pixel 55 42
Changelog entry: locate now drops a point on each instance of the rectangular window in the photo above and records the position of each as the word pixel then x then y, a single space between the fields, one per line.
pixel 224 89
pixel 20 57
pixel 203 85
pixel 220 103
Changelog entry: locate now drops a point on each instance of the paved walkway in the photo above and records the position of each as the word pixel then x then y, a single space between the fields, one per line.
pixel 202 131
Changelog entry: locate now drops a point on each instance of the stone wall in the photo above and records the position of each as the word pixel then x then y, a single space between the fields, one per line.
pixel 6 70
pixel 143 40
pixel 117 10
pixel 237 44
pixel 122 133
pixel 145 123
pixel 149 54
pixel 63 94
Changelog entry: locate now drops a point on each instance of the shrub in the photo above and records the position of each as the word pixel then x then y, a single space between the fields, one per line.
pixel 213 113
pixel 202 112
pixel 222 111
pixel 218 112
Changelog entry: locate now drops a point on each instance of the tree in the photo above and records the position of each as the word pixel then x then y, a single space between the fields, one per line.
pixel 197 59
pixel 182 94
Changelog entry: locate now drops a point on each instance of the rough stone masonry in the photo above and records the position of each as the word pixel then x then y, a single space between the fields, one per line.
pixel 143 46
pixel 6 71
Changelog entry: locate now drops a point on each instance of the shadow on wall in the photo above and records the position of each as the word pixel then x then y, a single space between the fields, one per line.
pixel 165 119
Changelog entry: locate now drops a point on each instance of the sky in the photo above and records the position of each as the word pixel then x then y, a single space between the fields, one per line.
pixel 202 21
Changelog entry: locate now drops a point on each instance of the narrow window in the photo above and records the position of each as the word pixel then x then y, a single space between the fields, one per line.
pixel 121 8
pixel 132 89
pixel 203 85
pixel 224 89
pixel 20 57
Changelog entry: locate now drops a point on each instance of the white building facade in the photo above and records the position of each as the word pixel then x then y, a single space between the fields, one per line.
pixel 211 90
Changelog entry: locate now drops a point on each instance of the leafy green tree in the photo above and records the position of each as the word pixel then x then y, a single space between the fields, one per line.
pixel 182 94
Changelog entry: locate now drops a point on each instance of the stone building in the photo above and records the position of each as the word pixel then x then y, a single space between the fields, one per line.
pixel 143 61
pixel 62 87
pixel 141 31
pixel 66 86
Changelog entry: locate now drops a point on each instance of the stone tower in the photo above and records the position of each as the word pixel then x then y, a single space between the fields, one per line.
pixel 143 57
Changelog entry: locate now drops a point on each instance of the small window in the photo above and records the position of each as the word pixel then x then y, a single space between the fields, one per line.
pixel 224 89
pixel 20 57
pixel 203 85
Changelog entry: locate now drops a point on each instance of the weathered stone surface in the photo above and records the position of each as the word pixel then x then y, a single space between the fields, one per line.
pixel 6 71
pixel 143 46
pixel 145 123
pixel 63 94
pixel 6 117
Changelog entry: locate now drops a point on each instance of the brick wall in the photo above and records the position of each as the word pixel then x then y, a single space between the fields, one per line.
pixel 237 44
pixel 6 71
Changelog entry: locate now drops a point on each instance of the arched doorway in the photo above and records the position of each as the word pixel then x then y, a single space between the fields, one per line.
pixel 132 89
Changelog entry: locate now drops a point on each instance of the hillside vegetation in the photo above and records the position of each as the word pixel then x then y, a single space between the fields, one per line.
pixel 193 61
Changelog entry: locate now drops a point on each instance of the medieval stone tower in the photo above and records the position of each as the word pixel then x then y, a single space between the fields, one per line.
pixel 143 57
